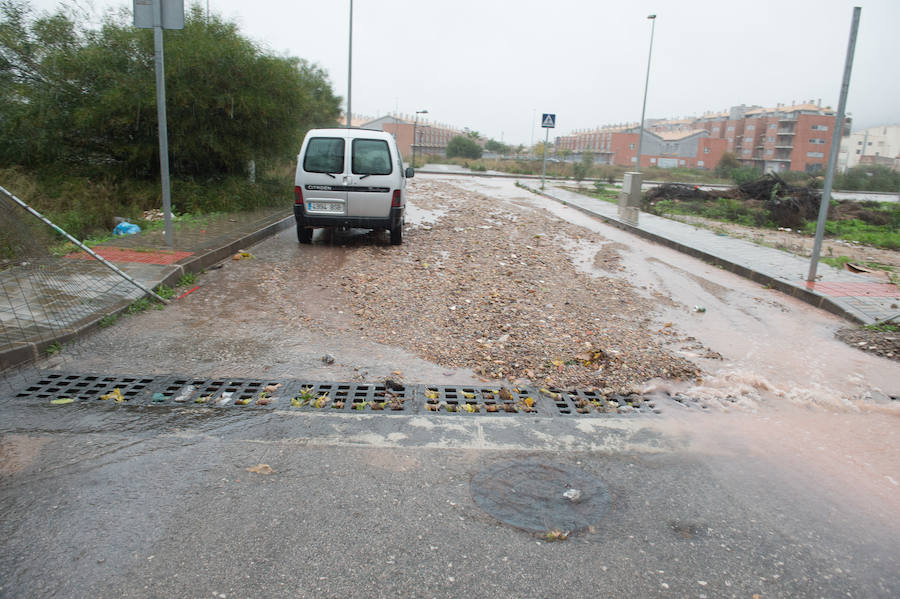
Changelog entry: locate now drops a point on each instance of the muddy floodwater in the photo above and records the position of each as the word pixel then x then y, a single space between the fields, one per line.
pixel 779 478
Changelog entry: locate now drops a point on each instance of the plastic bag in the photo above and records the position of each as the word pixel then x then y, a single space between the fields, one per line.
pixel 126 228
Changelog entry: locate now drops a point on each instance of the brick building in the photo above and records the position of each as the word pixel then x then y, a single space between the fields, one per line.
pixel 796 137
pixel 431 138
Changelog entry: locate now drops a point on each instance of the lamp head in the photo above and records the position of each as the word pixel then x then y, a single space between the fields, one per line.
pixel 651 16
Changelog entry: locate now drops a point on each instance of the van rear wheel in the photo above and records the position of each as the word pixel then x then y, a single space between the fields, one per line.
pixel 397 235
pixel 304 234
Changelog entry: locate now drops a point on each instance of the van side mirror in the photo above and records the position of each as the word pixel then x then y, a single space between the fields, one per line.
pixel 410 173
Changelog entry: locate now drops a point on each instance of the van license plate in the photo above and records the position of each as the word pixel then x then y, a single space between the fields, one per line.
pixel 324 207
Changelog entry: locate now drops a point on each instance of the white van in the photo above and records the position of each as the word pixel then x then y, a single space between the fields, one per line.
pixel 350 178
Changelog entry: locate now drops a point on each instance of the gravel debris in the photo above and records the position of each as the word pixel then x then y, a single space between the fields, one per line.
pixel 489 285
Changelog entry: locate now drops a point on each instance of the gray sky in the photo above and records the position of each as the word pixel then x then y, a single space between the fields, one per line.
pixel 490 65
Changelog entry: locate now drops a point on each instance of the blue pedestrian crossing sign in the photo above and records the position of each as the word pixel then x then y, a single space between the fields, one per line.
pixel 548 121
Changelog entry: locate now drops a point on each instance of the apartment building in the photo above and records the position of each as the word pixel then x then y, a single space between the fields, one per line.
pixel 875 145
pixel 793 137
pixel 430 137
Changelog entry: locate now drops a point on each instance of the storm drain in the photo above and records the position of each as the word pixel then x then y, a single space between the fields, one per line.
pixel 332 397
pixel 582 401
pixel 489 400
pixel 86 387
pixel 358 397
pixel 540 496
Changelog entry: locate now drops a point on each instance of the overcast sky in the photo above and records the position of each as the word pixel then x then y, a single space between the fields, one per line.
pixel 491 65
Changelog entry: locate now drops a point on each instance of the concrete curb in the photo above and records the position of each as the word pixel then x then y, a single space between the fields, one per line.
pixel 27 351
pixel 814 299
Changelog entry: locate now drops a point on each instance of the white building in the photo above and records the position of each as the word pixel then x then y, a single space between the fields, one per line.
pixel 875 145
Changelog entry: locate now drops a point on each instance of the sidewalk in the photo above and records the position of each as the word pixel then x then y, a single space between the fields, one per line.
pixel 853 296
pixel 60 299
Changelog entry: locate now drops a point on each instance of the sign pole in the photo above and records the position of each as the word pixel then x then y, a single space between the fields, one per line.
pixel 544 167
pixel 835 148
pixel 161 117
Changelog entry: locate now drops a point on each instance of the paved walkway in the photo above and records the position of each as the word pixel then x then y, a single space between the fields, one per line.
pixel 54 300
pixel 854 296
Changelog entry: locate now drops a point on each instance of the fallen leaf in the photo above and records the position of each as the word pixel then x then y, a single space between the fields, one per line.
pixel 260 469
pixel 271 388
pixel 61 401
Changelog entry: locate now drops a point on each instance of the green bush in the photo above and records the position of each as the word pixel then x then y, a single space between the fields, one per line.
pixel 463 147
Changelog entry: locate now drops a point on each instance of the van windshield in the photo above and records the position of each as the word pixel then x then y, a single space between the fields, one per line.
pixel 324 155
pixel 371 157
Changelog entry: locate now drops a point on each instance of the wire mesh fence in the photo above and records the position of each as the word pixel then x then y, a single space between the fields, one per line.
pixel 49 289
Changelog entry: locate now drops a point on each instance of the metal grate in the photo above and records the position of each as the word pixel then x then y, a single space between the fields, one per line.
pixel 219 392
pixel 336 397
pixel 86 387
pixel 585 402
pixel 486 400
pixel 357 397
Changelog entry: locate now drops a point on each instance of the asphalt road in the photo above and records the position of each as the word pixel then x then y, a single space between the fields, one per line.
pixel 781 498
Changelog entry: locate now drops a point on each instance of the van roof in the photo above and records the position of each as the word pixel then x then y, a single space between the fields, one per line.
pixel 351 132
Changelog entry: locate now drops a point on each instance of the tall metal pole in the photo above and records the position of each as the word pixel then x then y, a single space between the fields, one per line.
pixel 544 167
pixel 161 117
pixel 533 114
pixel 637 166
pixel 415 124
pixel 350 67
pixel 835 148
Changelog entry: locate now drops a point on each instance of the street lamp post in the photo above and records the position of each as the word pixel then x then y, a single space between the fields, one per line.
pixel 637 166
pixel 350 67
pixel 415 125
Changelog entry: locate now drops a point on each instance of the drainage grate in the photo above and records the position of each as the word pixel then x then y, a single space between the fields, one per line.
pixel 487 400
pixel 368 397
pixel 219 392
pixel 86 387
pixel 585 402
pixel 336 396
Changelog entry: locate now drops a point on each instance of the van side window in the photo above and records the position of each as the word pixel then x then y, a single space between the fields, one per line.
pixel 371 157
pixel 324 155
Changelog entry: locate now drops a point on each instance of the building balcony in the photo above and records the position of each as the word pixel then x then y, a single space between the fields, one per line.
pixel 784 147
pixel 787 119
pixel 786 132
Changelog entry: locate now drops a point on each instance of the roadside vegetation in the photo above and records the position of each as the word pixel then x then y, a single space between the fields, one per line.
pixel 78 107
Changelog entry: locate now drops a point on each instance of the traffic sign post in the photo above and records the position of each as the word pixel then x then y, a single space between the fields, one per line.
pixel 548 121
pixel 159 15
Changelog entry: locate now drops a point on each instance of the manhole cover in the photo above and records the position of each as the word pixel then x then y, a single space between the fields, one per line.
pixel 539 496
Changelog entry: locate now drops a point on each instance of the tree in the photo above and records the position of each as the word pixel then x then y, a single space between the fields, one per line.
pixel 727 163
pixel 87 97
pixel 497 147
pixel 464 147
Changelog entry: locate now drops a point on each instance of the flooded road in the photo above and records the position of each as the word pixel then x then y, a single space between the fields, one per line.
pixel 788 485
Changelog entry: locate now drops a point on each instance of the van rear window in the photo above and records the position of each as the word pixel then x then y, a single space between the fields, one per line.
pixel 371 157
pixel 324 155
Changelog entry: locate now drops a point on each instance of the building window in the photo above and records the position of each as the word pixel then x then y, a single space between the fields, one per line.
pixel 857 151
pixel 770 139
pixel 815 155
pixel 817 140
pixel 731 128
pixel 699 163
pixel 772 125
pixel 630 146
pixel 715 129
pixel 859 143
pixel 747 151
pixel 706 150
pixel 653 161
pixel 769 152
pixel 820 127
pixel 748 140
pixel 751 127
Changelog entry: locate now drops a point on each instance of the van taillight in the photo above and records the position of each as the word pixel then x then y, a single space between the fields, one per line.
pixel 395 201
pixel 298 196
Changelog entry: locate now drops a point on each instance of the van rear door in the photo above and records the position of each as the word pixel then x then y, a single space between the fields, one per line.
pixel 324 165
pixel 369 187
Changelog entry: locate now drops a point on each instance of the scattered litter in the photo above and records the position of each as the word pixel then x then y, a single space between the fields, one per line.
pixel 328 359
pixel 242 254
pixel 61 401
pixel 260 469
pixel 184 394
pixel 699 309
pixel 573 495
